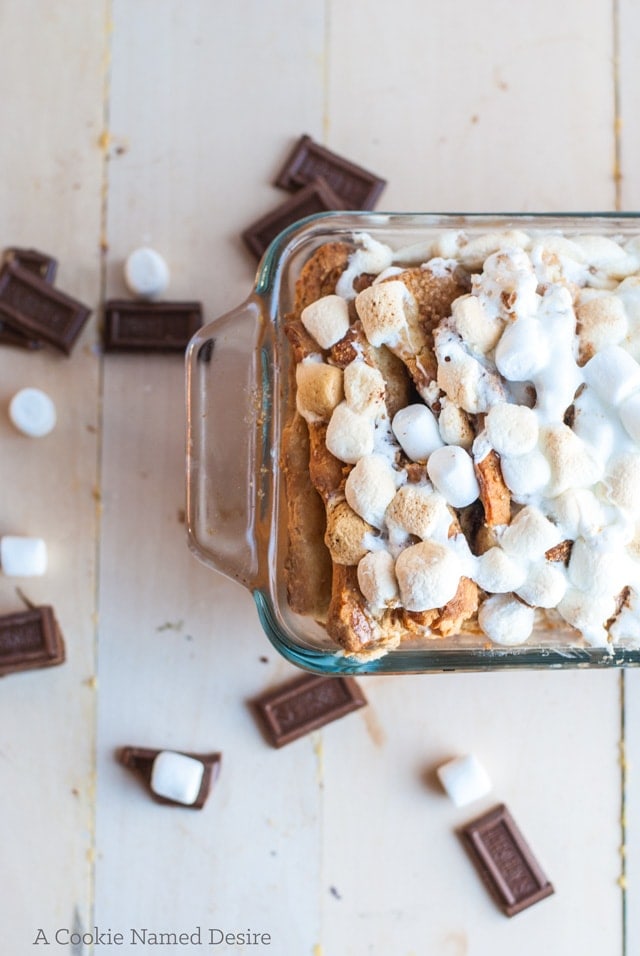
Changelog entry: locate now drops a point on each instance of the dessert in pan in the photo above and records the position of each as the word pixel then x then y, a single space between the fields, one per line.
pixel 462 453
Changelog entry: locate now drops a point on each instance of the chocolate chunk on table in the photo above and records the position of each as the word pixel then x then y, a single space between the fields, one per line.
pixel 306 704
pixel 131 326
pixel 41 264
pixel 356 186
pixel 504 861
pixel 313 198
pixel 35 308
pixel 9 336
pixel 140 760
pixel 30 639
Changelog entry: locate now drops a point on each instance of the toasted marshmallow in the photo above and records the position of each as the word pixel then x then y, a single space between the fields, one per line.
pixel 349 435
pixel 345 533
pixel 506 620
pixel 327 320
pixel 623 482
pixel 527 475
pixel 451 470
pixel 613 373
pixel 497 573
pixel 529 535
pixel 523 350
pixel 572 462
pixel 480 331
pixel 464 779
pixel 377 578
pixel 319 390
pixel 370 487
pixel 602 321
pixel 364 388
pixel 629 411
pixel 597 570
pixel 371 257
pixel 454 425
pixel 464 379
pixel 177 777
pixel 597 425
pixel 474 252
pixel 418 510
pixel 577 512
pixel 385 311
pixel 544 586
pixel 416 428
pixel 588 613
pixel 22 557
pixel 512 429
pixel 428 575
pixel 607 256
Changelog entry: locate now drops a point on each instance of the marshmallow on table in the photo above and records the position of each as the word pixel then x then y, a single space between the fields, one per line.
pixel 451 470
pixel 22 557
pixel 176 777
pixel 32 412
pixel 464 779
pixel 416 428
pixel 146 273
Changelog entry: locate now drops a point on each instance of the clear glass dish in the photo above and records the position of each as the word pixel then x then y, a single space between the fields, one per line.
pixel 237 401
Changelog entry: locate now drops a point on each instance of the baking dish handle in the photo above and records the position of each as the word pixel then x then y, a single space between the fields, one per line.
pixel 226 395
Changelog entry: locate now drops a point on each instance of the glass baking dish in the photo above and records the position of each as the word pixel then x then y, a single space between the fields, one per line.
pixel 238 399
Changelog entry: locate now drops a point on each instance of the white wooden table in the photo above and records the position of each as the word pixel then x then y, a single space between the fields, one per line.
pixel 163 122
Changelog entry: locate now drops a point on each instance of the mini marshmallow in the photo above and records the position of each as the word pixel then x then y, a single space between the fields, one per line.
pixel 418 510
pixel 613 373
pixel 377 578
pixel 371 257
pixel 370 487
pixel 629 411
pixel 572 462
pixel 506 620
pixel 523 350
pixel 596 570
pixel 602 321
pixel 464 779
pixel 607 256
pixel 176 777
pixel 623 482
pixel 588 614
pixel 527 475
pixel 508 280
pixel 529 535
pixel 319 390
pixel 454 425
pixel 327 320
pixel 32 412
pixel 22 557
pixel 349 435
pixel 428 575
pixel 577 512
pixel 480 331
pixel 385 311
pixel 512 429
pixel 474 252
pixel 497 573
pixel 364 388
pixel 416 428
pixel 595 424
pixel 451 470
pixel 146 273
pixel 465 381
pixel 544 586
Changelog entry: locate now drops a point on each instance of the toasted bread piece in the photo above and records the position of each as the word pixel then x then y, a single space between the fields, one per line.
pixel 494 494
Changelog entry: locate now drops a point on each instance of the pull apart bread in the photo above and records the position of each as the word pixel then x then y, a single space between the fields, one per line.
pixel 462 454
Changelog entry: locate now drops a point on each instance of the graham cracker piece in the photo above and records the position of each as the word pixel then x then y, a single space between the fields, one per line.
pixel 494 494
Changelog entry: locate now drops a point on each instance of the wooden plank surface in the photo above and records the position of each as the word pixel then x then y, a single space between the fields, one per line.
pixel 341 843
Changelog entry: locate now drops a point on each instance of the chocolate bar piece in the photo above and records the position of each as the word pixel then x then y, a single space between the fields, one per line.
pixel 43 265
pixel 131 326
pixel 306 704
pixel 38 310
pixel 30 639
pixel 356 187
pixel 313 198
pixel 140 760
pixel 9 336
pixel 504 861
